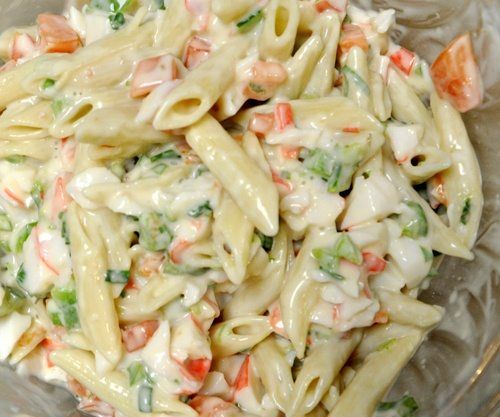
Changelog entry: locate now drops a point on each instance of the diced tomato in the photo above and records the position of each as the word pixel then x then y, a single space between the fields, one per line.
pixel 137 336
pixel 241 380
pixel 276 320
pixel 336 312
pixel 281 182
pixel 56 35
pixel 150 264
pixel 374 263
pixel 436 192
pixel 61 199
pixel 23 45
pixel 14 197
pixel 95 406
pixel 351 36
pixel 49 344
pixel 351 129
pixel 404 60
pixel 456 75
pixel 261 124
pixel 283 116
pixel 177 249
pixel 152 72
pixel 76 388
pixel 211 406
pixel 337 5
pixel 290 152
pixel 197 51
pixel 196 369
pixel 381 317
pixel 43 252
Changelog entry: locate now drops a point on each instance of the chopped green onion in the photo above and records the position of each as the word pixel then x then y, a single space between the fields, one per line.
pixel 250 21
pixel 345 248
pixel 154 233
pixel 47 83
pixel 55 319
pixel 386 345
pixel 137 373
pixel 37 193
pixel 5 223
pixel 64 228
pixel 405 407
pixel 336 167
pixel 328 262
pixel 417 226
pixel 145 395
pixel 13 300
pixel 168 154
pixel 21 275
pixel 265 241
pixel 116 276
pixel 428 256
pixel 23 235
pixel 65 300
pixel 200 170
pixel 159 169
pixel 418 70
pixel 58 106
pixel 117 20
pixel 160 4
pixel 202 209
pixel 464 217
pixel 117 168
pixel 173 269
pixel 4 246
pixel 16 159
pixel 350 74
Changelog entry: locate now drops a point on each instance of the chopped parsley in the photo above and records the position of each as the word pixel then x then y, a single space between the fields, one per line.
pixel 464 216
pixel 250 21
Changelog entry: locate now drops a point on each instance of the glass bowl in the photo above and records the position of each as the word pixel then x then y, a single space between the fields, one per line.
pixel 456 372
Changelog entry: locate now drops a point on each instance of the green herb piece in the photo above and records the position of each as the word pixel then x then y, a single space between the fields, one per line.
pixel 336 167
pixel 464 217
pixel 64 228
pixel 257 88
pixel 65 300
pixel 250 21
pixel 386 345
pixel 55 319
pixel 428 256
pixel 405 407
pixel 168 154
pixel 137 373
pixel 153 232
pixel 23 236
pixel 5 223
pixel 174 269
pixel 160 4
pixel 21 275
pixel 417 226
pixel 4 246
pixel 353 76
pixel 16 159
pixel 418 70
pixel 345 248
pixel 265 241
pixel 329 258
pixel 145 399
pixel 117 20
pixel 116 276
pixel 202 209
pixel 159 169
pixel 48 83
pixel 200 170
pixel 37 193
pixel 13 300
pixel 327 262
pixel 57 106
